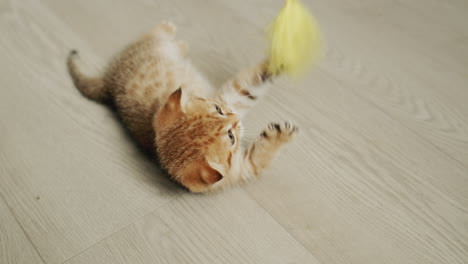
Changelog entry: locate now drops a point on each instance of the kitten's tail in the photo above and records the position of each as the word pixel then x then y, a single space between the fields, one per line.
pixel 92 87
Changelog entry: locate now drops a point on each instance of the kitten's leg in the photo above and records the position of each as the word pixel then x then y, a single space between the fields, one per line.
pixel 245 89
pixel 165 29
pixel 165 33
pixel 183 47
pixel 259 155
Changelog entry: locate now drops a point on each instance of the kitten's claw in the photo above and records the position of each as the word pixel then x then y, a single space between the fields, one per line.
pixel 279 133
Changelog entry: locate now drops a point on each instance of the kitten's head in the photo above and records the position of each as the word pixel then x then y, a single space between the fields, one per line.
pixel 196 139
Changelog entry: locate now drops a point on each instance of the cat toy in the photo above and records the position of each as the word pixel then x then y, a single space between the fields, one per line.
pixel 294 40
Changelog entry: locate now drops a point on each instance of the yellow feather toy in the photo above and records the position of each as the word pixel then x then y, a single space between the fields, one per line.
pixel 294 40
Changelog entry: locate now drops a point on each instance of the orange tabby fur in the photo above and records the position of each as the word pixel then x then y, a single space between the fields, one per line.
pixel 171 109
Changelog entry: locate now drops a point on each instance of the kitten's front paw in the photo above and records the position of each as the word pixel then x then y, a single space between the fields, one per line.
pixel 279 133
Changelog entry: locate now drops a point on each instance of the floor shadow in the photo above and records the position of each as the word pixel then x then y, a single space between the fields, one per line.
pixel 149 160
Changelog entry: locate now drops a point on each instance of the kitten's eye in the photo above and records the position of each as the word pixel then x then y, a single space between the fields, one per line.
pixel 231 136
pixel 218 109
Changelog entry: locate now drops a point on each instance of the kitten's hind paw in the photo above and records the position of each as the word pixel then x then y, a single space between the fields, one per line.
pixel 169 27
pixel 166 29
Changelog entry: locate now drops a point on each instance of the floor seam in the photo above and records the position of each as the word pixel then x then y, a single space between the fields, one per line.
pixel 122 228
pixel 415 132
pixel 22 228
pixel 282 226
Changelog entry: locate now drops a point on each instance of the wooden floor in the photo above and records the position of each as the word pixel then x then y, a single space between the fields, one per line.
pixel 378 175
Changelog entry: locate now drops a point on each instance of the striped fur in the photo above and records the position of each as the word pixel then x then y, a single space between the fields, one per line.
pixel 171 110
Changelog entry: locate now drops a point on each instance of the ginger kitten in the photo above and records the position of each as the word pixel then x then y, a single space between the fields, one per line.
pixel 171 110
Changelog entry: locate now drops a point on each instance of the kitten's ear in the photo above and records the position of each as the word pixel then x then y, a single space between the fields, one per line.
pixel 174 100
pixel 198 176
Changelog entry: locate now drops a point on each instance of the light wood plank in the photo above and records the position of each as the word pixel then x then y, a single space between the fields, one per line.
pixel 375 191
pixel 221 228
pixel 70 152
pixel 15 248
pixel 379 174
pixel 360 189
pixel 412 68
